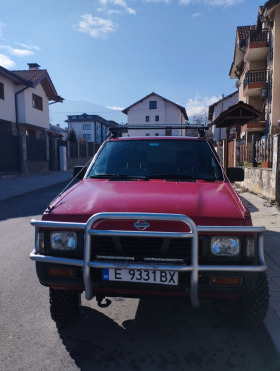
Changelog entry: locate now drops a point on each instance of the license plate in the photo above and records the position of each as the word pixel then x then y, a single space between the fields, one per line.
pixel 141 275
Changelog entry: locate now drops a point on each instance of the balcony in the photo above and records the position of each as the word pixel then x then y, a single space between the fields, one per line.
pixel 254 82
pixel 258 46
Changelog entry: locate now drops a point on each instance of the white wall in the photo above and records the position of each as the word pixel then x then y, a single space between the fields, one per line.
pixel 32 115
pixel 7 105
pixel 218 109
pixel 168 114
pixel 100 130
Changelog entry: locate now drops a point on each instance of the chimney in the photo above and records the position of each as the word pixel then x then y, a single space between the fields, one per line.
pixel 33 66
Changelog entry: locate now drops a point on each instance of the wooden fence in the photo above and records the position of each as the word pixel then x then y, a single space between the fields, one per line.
pixel 262 154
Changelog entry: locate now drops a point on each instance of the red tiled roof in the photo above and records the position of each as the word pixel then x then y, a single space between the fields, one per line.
pixel 31 75
pixel 34 77
pixel 243 32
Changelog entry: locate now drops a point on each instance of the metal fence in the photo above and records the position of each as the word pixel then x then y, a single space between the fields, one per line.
pixel 9 153
pixel 264 150
pixel 36 149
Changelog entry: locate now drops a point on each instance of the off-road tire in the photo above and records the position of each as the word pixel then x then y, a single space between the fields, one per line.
pixel 65 306
pixel 249 311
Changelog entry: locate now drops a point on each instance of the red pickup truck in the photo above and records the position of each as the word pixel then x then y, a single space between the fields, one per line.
pixel 152 216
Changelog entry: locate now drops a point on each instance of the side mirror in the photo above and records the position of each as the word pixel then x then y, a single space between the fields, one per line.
pixel 79 172
pixel 235 174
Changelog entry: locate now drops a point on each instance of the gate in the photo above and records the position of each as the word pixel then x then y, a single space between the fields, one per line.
pixel 231 154
pixel 53 163
pixel 9 154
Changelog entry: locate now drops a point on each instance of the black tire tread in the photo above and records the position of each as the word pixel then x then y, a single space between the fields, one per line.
pixel 64 306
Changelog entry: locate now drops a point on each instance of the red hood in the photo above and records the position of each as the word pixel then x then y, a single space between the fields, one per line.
pixel 207 203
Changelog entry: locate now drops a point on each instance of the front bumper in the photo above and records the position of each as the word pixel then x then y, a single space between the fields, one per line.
pixel 194 268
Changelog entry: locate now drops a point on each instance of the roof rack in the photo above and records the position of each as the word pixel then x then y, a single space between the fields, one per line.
pixel 116 132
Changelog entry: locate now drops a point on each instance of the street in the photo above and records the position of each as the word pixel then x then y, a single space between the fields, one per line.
pixel 131 334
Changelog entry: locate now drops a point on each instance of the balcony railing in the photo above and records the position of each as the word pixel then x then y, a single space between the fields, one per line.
pixel 258 36
pixel 255 76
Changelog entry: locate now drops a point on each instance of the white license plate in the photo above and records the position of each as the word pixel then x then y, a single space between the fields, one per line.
pixel 141 275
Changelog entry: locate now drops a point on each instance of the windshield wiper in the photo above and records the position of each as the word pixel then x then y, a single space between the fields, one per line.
pixel 182 177
pixel 171 176
pixel 118 177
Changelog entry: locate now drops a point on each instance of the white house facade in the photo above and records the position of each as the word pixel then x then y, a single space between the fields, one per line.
pixel 216 109
pixel 90 128
pixel 27 145
pixel 151 115
pixel 24 100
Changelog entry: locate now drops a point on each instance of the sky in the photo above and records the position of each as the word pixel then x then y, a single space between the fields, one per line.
pixel 114 52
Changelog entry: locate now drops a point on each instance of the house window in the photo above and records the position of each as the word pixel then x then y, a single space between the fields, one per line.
pixel 1 90
pixel 153 104
pixel 157 118
pixel 147 118
pixel 37 102
pixel 87 136
pixel 147 134
pixel 86 126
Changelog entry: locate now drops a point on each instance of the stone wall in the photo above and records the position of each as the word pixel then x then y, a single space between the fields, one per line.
pixel 260 181
pixel 265 181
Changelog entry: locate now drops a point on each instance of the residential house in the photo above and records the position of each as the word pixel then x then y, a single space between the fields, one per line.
pixel 24 100
pixel 256 116
pixel 256 66
pixel 61 132
pixel 25 96
pixel 150 115
pixel 215 110
pixel 90 128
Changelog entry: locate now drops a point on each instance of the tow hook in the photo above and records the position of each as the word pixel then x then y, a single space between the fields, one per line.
pixel 103 305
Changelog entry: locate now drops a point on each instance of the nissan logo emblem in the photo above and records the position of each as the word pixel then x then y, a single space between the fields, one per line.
pixel 141 225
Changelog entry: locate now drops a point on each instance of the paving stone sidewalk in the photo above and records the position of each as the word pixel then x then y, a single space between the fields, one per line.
pixel 267 215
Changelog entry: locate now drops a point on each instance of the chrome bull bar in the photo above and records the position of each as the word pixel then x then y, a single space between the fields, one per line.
pixel 193 267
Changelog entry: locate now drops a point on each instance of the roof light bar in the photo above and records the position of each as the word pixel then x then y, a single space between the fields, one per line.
pixel 117 131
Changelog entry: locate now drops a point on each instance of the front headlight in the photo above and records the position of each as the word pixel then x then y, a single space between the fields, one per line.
pixel 63 240
pixel 225 246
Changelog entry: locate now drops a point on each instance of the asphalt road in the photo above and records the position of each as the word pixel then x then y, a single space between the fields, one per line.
pixel 131 334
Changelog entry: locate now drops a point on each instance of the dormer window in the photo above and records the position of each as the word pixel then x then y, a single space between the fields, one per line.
pixel 37 102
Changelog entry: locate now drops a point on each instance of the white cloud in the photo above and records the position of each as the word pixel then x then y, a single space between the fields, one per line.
pixel 120 3
pixel 115 108
pixel 95 26
pixel 16 52
pixel 195 15
pixel 6 62
pixel 223 3
pixel 28 46
pixel 158 1
pixel 198 106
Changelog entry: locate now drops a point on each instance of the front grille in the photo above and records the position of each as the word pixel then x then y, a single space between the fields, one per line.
pixel 142 247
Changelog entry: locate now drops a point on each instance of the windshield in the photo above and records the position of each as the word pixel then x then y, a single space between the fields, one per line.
pixel 183 159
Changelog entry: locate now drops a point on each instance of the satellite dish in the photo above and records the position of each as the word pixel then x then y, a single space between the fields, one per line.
pixel 237 84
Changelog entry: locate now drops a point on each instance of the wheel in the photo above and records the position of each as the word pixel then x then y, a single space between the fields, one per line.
pixel 251 309
pixel 64 306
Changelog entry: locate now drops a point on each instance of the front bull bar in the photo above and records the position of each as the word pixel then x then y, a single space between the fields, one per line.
pixel 193 267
